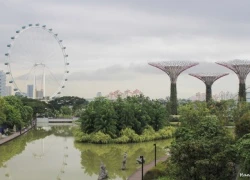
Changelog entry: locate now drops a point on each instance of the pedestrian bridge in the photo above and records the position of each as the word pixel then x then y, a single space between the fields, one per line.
pixel 56 120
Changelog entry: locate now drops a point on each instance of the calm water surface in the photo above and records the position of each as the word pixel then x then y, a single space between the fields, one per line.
pixel 49 153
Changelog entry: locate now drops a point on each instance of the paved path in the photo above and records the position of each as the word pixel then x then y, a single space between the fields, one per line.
pixel 147 167
pixel 14 135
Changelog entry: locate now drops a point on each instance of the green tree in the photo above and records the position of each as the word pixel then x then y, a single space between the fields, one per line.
pixel 243 146
pixel 205 151
pixel 39 107
pixel 100 116
pixel 13 117
pixel 65 110
pixel 125 114
pixel 158 115
pixel 71 101
pixel 242 125
pixel 191 113
pixel 28 114
pixel 2 111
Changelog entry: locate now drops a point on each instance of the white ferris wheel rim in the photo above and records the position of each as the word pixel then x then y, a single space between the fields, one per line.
pixel 59 42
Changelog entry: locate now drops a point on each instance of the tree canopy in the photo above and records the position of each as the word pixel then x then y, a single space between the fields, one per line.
pixel 110 117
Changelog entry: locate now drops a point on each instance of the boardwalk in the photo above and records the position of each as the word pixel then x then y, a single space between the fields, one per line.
pixel 137 174
pixel 14 135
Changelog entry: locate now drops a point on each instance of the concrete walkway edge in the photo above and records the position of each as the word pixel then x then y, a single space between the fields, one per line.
pixel 146 168
pixel 15 135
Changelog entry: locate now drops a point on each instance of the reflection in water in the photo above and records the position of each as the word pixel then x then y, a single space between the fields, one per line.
pixel 112 155
pixel 50 153
pixel 16 146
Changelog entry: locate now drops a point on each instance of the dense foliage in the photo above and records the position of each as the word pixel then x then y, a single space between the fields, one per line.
pixel 204 148
pixel 134 114
pixel 14 113
pixel 242 125
pixel 204 151
pixel 62 107
pixel 68 105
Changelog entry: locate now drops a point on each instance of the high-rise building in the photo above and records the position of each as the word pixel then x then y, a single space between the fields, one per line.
pixel 99 94
pixel 8 91
pixel 2 83
pixel 30 89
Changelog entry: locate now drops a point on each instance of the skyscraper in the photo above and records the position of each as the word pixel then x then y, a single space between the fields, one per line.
pixel 30 90
pixel 2 83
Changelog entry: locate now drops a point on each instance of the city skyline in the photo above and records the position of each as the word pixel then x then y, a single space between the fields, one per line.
pixel 109 44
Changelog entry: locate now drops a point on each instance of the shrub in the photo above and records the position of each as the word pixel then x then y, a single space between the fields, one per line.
pixel 166 132
pixel 127 136
pixel 148 134
pixel 156 172
pixel 100 137
pixel 130 133
pixel 242 125
pixel 122 139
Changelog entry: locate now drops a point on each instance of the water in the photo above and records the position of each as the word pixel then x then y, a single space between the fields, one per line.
pixel 51 153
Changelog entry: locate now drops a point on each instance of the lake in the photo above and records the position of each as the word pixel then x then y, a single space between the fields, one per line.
pixel 49 152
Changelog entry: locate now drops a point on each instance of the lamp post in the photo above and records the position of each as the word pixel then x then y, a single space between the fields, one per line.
pixel 142 160
pixel 155 154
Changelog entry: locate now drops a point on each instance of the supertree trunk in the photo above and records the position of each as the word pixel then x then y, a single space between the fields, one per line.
pixel 208 93
pixel 173 99
pixel 242 92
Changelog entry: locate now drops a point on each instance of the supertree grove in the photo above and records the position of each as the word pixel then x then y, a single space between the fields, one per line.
pixel 173 69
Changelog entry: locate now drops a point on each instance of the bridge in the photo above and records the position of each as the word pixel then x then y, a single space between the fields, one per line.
pixel 56 120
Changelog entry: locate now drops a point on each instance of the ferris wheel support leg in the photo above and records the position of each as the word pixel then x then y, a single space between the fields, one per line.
pixel 44 81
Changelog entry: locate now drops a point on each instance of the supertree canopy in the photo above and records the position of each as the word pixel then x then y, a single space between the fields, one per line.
pixel 208 79
pixel 241 68
pixel 173 69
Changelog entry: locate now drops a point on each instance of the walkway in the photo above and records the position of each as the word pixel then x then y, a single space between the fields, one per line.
pixel 14 135
pixel 137 174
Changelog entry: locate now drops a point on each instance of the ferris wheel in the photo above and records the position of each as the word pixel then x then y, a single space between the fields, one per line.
pixel 37 62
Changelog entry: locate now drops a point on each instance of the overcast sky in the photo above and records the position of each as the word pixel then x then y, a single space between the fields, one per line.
pixel 110 42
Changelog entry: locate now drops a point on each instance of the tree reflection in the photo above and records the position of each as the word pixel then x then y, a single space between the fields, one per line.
pixel 111 155
pixel 16 146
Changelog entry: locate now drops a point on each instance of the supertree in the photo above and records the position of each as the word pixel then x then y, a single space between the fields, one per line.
pixel 241 68
pixel 173 69
pixel 208 79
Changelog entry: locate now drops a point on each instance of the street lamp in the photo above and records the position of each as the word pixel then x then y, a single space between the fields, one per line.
pixel 141 161
pixel 155 154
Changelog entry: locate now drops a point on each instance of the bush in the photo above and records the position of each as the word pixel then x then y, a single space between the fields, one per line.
pixel 156 172
pixel 127 136
pixel 148 134
pixel 242 125
pixel 122 139
pixel 100 137
pixel 130 133
pixel 166 132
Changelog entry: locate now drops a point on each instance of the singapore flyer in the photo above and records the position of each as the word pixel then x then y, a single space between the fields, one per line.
pixel 37 62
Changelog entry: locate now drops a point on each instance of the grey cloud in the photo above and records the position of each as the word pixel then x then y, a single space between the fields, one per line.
pixel 119 72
